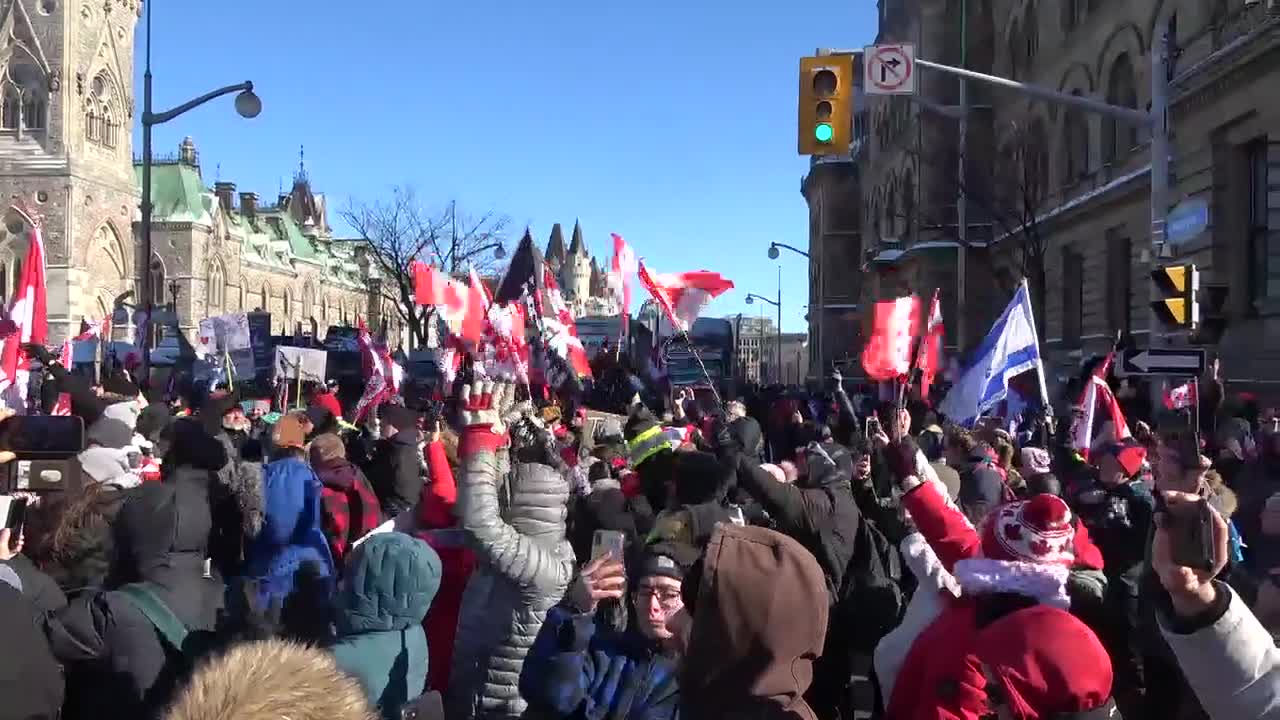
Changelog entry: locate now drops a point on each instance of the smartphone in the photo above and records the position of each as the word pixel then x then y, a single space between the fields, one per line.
pixel 872 427
pixel 14 511
pixel 1191 535
pixel 43 437
pixel 608 542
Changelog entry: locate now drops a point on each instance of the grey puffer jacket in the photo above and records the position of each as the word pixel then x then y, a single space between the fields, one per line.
pixel 524 566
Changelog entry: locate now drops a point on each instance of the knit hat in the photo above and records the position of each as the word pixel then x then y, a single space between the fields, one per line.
pixel 1035 461
pixel 120 384
pixel 288 433
pixel 110 433
pixel 666 559
pixel 1042 662
pixel 1040 530
pixel 398 416
pixel 327 447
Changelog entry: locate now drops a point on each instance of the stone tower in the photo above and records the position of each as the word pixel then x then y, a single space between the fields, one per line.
pixel 555 254
pixel 66 113
pixel 577 271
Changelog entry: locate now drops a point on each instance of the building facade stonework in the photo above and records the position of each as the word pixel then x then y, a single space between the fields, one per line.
pixel 1063 196
pixel 67 109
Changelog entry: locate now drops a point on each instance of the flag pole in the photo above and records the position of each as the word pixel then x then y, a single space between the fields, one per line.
pixel 1031 317
pixel 705 373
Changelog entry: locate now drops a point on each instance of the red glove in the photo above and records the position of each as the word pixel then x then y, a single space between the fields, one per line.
pixel 480 405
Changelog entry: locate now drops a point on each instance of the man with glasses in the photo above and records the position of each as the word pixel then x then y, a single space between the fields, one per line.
pixel 578 667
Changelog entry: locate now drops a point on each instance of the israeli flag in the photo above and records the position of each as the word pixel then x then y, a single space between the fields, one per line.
pixel 1010 349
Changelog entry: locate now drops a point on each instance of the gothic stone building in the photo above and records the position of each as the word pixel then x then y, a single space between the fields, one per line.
pixel 582 279
pixel 67 104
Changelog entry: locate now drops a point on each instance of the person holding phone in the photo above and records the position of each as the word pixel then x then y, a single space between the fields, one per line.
pixel 578 668
pixel 1227 657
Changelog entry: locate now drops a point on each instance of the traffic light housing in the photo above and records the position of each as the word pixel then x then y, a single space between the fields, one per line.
pixel 826 105
pixel 1212 303
pixel 1178 286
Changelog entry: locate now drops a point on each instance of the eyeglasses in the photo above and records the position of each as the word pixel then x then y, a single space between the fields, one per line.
pixel 667 598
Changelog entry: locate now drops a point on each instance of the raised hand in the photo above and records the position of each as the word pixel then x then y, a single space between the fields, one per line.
pixel 479 408
pixel 601 579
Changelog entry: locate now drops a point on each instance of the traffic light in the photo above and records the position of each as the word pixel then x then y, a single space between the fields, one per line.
pixel 826 105
pixel 1212 307
pixel 1178 286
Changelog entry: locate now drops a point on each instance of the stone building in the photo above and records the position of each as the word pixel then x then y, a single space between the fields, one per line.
pixel 1092 173
pixel 583 281
pixel 224 251
pixel 67 107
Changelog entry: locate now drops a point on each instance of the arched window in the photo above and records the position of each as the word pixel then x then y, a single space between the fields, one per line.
pixel 217 286
pixel 908 203
pixel 25 103
pixel 102 124
pixel 157 281
pixel 1015 50
pixel 266 297
pixel 1036 160
pixel 1118 138
pixel 1075 137
pixel 1031 30
pixel 288 311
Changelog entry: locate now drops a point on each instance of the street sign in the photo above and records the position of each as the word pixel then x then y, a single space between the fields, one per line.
pixel 889 69
pixel 1185 362
pixel 1186 221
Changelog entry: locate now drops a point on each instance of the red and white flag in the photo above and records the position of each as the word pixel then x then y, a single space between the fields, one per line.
pixel 887 353
pixel 1097 394
pixel 382 374
pixel 683 296
pixel 1183 396
pixel 462 305
pixel 624 265
pixel 28 323
pixel 100 330
pixel 559 329
pixel 929 358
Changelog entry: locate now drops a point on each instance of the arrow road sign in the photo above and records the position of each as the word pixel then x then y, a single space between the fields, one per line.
pixel 1187 362
pixel 889 69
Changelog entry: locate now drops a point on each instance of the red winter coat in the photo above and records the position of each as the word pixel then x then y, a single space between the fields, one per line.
pixel 941 677
pixel 435 523
pixel 328 401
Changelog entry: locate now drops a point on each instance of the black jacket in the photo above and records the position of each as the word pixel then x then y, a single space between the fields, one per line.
pixel 31 683
pixel 819 510
pixel 118 665
pixel 396 471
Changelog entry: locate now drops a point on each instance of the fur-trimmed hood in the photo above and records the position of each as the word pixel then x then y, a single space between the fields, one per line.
pixel 268 680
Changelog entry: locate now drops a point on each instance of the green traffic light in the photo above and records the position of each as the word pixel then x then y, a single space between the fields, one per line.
pixel 823 133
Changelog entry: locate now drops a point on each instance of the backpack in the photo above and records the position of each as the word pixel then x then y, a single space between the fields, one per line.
pixel 871 600
pixel 183 647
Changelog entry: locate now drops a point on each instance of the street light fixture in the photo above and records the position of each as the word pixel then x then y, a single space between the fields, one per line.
pixel 751 299
pixel 247 104
pixel 774 253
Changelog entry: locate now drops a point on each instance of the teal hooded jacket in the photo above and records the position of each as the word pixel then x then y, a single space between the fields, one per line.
pixel 388 586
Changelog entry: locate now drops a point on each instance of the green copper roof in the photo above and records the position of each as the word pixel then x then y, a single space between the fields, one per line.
pixel 178 194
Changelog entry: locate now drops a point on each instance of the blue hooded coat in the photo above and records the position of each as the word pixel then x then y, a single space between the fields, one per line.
pixel 388 587
pixel 291 538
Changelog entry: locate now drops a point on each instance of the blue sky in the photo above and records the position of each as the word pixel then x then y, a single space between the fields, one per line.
pixel 670 123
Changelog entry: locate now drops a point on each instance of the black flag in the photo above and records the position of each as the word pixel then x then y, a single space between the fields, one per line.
pixel 525 271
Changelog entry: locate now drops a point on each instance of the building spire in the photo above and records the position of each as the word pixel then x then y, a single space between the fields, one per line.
pixel 301 176
pixel 576 244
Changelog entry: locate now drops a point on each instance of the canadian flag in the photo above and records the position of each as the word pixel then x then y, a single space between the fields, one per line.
pixel 98 330
pixel 682 296
pixel 383 374
pixel 929 359
pixel 1183 396
pixel 461 305
pixel 28 323
pixel 887 354
pixel 559 329
pixel 623 267
pixel 1096 392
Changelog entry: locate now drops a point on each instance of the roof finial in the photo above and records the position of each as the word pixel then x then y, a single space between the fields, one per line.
pixel 301 177
pixel 217 172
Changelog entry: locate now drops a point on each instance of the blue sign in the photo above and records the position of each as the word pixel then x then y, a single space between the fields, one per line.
pixel 1186 221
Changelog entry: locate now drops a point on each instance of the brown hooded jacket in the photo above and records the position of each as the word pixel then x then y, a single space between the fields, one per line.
pixel 758 625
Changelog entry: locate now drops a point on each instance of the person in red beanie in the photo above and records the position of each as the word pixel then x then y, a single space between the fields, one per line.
pixel 1021 558
pixel 1043 663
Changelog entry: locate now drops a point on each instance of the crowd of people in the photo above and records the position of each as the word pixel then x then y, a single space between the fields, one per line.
pixel 794 554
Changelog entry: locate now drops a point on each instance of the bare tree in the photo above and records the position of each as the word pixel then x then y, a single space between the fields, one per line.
pixel 400 230
pixel 1012 201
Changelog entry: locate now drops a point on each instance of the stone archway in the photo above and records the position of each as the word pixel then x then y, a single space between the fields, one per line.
pixel 108 269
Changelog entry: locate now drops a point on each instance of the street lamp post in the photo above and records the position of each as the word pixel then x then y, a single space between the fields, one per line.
pixel 247 104
pixel 773 255
pixel 751 298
